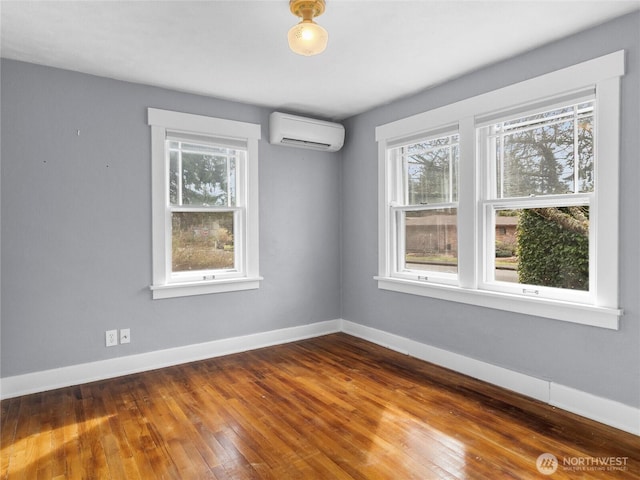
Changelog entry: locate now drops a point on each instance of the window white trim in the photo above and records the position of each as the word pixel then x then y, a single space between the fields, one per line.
pixel 163 123
pixel 574 78
pixel 602 74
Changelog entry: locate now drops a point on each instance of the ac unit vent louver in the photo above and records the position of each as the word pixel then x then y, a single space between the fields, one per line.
pixel 305 143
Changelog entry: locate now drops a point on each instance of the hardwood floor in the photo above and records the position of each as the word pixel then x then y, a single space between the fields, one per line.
pixel 333 407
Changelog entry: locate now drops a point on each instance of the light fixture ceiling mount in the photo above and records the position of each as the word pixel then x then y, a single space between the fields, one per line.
pixel 307 37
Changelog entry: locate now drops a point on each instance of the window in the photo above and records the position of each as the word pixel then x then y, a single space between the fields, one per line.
pixel 540 168
pixel 509 200
pixel 424 207
pixel 205 215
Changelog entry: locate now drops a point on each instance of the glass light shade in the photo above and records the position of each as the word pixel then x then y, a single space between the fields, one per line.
pixel 308 38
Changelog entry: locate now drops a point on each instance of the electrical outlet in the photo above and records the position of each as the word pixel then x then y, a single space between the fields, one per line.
pixel 111 338
pixel 125 335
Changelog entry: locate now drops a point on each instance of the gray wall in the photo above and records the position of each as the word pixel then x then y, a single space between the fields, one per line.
pixel 76 225
pixel 603 362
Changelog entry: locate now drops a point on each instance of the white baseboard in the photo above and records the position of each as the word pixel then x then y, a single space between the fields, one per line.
pixel 518 382
pixel 116 367
pixel 603 410
pixel 609 412
pixel 600 409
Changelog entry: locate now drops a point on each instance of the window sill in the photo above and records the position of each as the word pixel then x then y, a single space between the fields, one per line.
pixel 186 289
pixel 603 317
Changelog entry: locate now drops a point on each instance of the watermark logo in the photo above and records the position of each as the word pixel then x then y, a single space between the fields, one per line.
pixel 547 464
pixel 595 464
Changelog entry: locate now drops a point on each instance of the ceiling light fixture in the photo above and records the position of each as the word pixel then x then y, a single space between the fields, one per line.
pixel 307 37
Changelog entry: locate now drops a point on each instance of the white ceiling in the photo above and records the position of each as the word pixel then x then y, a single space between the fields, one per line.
pixel 378 50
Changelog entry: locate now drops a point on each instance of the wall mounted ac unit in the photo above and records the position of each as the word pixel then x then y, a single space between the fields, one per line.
pixel 294 131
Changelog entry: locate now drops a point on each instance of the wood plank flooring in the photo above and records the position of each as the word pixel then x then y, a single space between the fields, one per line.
pixel 333 407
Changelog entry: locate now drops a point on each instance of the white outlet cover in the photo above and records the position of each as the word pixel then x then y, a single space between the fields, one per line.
pixel 111 338
pixel 125 335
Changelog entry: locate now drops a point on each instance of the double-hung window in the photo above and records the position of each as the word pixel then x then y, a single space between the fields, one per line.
pixel 204 186
pixel 539 189
pixel 509 200
pixel 424 204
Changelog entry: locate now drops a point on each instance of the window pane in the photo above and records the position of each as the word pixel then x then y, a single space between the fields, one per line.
pixel 202 174
pixel 431 240
pixel 535 155
pixel 173 178
pixel 585 148
pixel 202 241
pixel 430 169
pixel 547 247
pixel 205 179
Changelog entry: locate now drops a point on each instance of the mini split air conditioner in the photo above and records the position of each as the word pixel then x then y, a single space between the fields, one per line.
pixel 293 131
